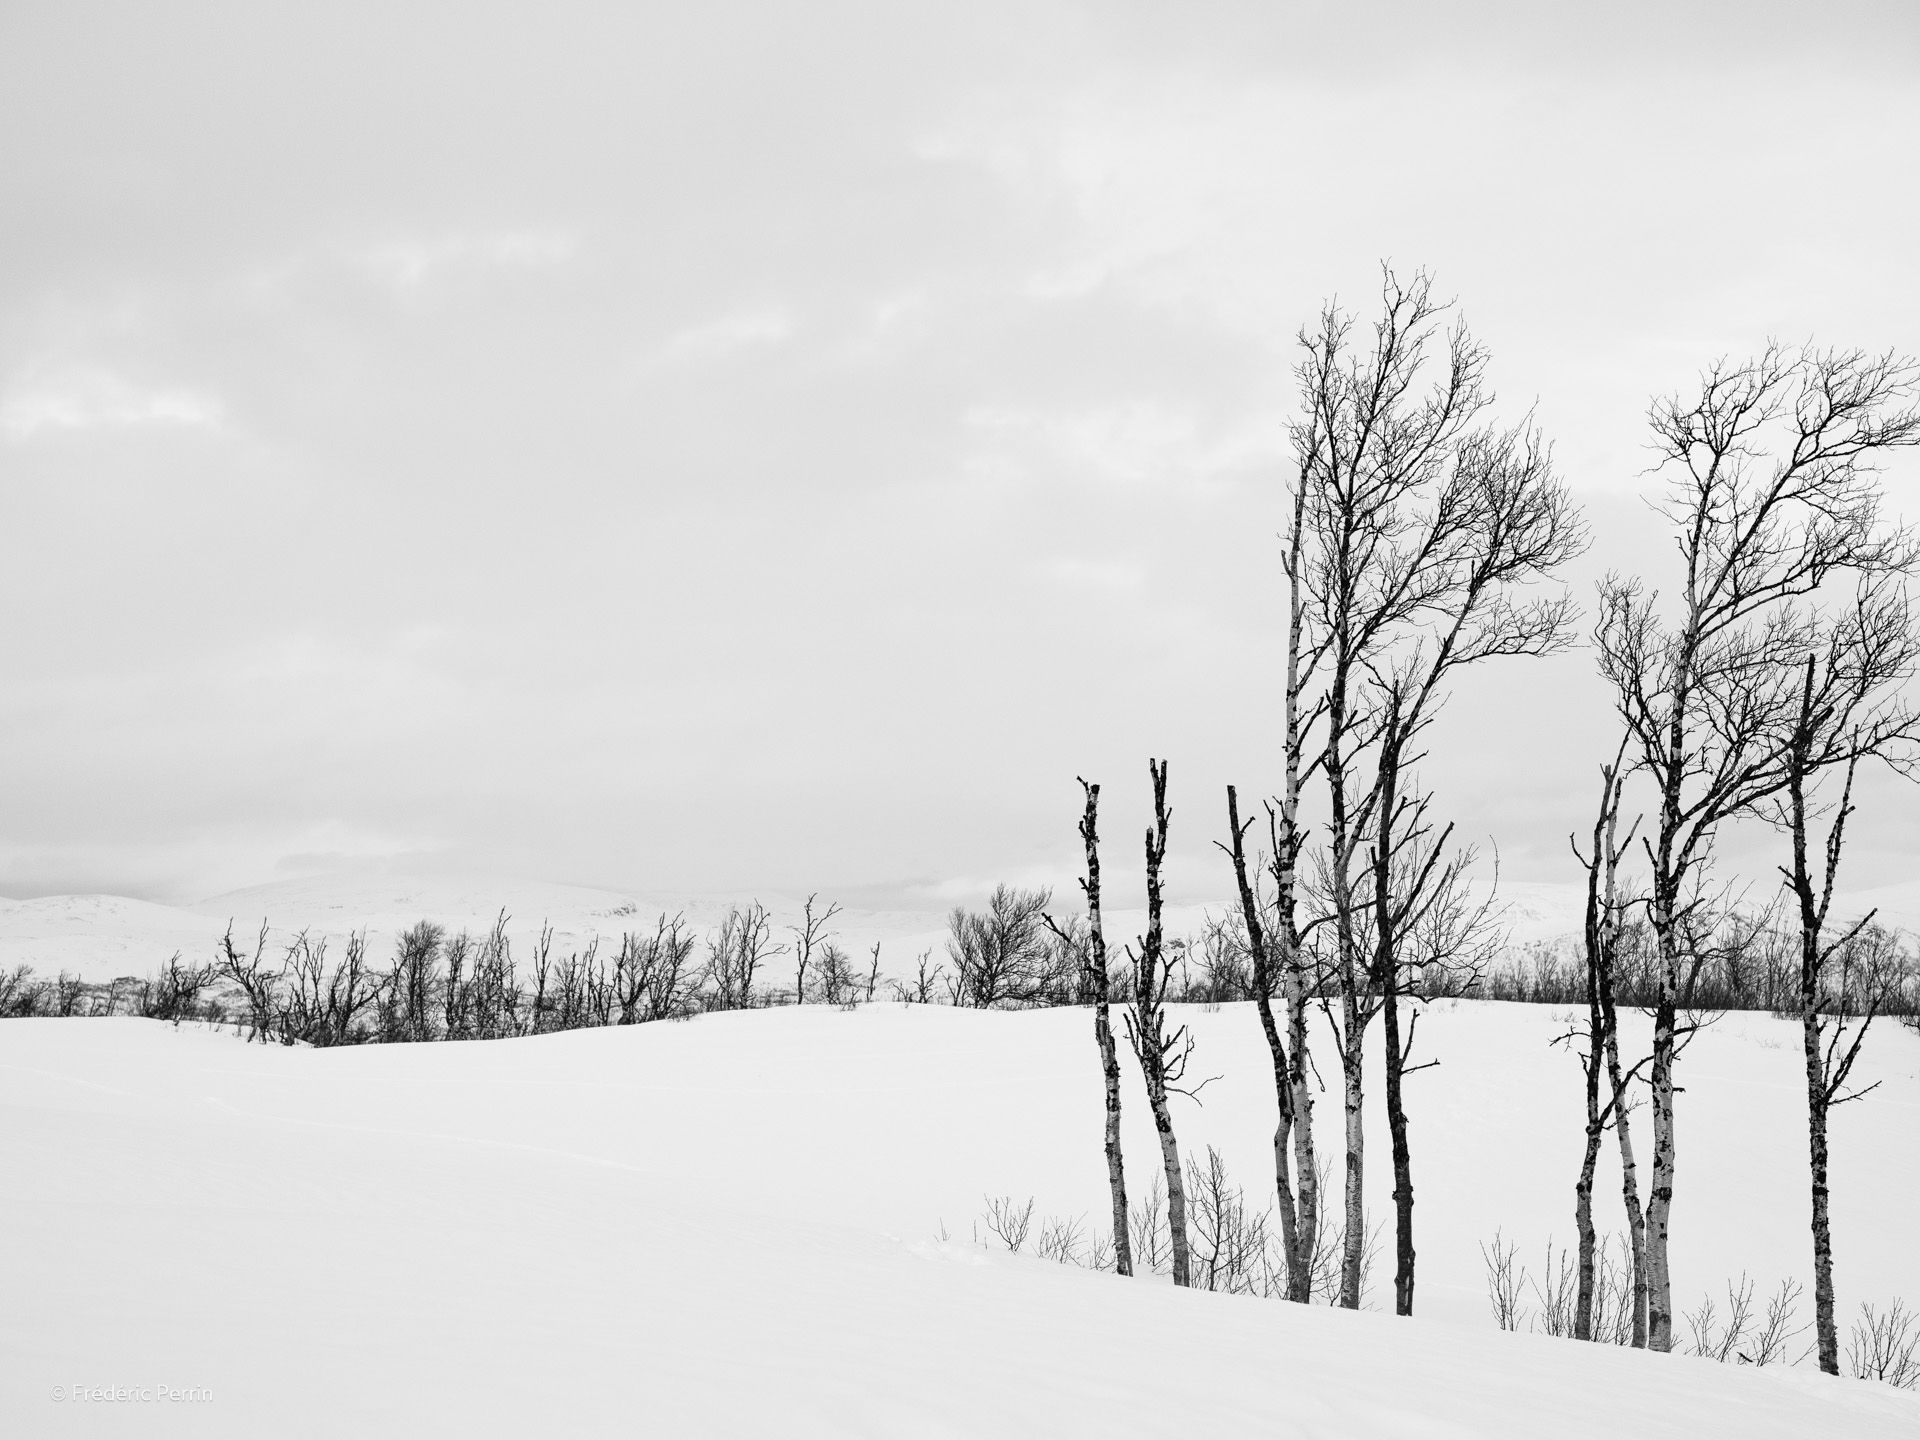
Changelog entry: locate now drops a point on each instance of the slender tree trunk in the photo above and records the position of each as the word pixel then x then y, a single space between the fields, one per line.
pixel 1660 1198
pixel 1603 1049
pixel 1116 1163
pixel 1176 1189
pixel 1353 1011
pixel 1823 1080
pixel 1386 979
pixel 1262 959
pixel 1353 1251
pixel 1583 1224
pixel 1096 980
pixel 1151 1042
pixel 1629 1176
pixel 1297 1106
pixel 1591 1063
pixel 1402 1151
pixel 1826 1331
pixel 1306 1164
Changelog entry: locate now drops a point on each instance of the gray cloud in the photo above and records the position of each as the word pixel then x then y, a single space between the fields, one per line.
pixel 768 446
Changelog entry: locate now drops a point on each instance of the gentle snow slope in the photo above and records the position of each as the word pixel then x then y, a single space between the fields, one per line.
pixel 723 1228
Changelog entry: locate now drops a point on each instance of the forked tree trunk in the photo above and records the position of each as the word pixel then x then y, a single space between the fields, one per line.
pixel 1602 1055
pixel 1150 1040
pixel 1261 955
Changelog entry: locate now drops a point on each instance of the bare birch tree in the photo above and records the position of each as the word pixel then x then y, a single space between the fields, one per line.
pixel 1094 983
pixel 1600 1060
pixel 1772 494
pixel 1277 952
pixel 1289 1200
pixel 1850 709
pixel 1162 1054
pixel 1416 522
pixel 1517 526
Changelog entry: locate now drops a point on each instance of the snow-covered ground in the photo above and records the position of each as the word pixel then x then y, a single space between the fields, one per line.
pixel 728 1226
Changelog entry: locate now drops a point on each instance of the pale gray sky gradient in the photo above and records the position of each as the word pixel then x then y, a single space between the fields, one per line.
pixel 720 446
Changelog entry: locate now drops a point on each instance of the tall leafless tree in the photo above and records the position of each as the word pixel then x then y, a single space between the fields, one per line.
pixel 1095 983
pixel 1416 525
pixel 1851 708
pixel 1772 494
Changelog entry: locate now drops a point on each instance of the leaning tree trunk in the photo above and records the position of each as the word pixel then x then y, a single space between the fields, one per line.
pixel 1096 980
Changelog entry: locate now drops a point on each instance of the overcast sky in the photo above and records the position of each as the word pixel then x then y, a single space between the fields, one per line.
pixel 714 446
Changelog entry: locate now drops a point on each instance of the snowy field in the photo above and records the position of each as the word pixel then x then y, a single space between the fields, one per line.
pixel 728 1227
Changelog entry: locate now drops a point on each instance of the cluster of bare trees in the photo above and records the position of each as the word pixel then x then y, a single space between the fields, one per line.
pixel 177 991
pixel 1423 538
pixel 461 986
pixel 1161 1050
pixel 1753 691
pixel 1753 964
pixel 1418 529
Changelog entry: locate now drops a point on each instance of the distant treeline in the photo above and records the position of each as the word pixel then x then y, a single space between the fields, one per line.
pixel 466 986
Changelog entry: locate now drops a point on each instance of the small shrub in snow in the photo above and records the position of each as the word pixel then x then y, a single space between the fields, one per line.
pixel 1062 1239
pixel 21 995
pixel 1010 1221
pixel 175 993
pixel 1504 1281
pixel 1886 1346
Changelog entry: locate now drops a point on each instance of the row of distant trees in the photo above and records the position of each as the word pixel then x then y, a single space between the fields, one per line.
pixel 438 985
pixel 1015 952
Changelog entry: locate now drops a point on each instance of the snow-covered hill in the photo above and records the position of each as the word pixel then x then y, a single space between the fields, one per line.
pixel 728 1227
